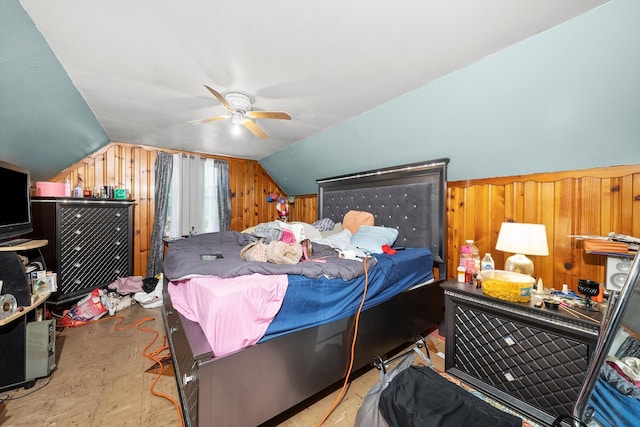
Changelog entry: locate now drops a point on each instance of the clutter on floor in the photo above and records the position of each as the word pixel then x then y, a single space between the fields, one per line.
pixel 118 296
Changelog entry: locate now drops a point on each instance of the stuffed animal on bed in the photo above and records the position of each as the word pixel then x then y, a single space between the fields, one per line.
pixel 283 209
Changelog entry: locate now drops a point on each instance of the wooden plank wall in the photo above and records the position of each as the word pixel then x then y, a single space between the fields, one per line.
pixel 132 166
pixel 592 201
pixel 585 202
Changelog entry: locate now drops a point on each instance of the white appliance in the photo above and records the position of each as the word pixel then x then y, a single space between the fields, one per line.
pixel 616 272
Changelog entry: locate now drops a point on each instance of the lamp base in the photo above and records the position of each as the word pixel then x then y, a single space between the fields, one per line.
pixel 519 264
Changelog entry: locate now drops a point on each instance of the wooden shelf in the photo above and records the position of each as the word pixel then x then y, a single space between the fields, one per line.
pixel 36 300
pixel 31 244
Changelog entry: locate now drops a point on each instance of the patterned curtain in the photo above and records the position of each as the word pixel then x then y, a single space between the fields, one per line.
pixel 221 168
pixel 163 170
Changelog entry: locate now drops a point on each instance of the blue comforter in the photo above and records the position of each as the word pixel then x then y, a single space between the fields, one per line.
pixel 311 302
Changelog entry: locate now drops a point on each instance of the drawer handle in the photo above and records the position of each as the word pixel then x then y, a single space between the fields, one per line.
pixel 186 379
pixel 77 265
pixel 77 282
pixel 77 249
pixel 78 215
pixel 117 272
pixel 78 232
pixel 509 340
pixel 118 214
pixel 118 228
pixel 117 242
pixel 117 257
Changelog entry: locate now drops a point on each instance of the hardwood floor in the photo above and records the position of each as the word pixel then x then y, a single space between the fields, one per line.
pixel 100 380
pixel 103 379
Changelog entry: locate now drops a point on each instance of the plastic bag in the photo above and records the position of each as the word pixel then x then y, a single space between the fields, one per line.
pixel 368 414
pixel 92 307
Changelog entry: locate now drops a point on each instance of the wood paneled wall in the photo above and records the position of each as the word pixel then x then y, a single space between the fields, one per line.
pixel 132 166
pixel 305 209
pixel 583 202
pixel 589 202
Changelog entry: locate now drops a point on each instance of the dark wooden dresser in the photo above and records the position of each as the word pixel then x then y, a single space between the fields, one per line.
pixel 90 242
pixel 532 359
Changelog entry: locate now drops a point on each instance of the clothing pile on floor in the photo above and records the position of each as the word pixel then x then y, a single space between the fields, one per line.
pixel 119 295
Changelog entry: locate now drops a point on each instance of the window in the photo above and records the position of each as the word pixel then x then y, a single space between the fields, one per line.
pixel 199 196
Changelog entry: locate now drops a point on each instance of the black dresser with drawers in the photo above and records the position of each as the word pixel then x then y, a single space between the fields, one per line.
pixel 531 359
pixel 90 242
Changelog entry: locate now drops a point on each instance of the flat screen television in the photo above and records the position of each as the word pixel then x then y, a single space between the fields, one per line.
pixel 15 213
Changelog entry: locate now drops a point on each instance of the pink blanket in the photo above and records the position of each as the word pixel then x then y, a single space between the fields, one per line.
pixel 234 313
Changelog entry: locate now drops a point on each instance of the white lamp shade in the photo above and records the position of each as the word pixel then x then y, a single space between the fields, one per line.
pixel 523 238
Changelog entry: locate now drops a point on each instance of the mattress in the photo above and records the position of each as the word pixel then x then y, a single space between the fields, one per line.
pixel 237 312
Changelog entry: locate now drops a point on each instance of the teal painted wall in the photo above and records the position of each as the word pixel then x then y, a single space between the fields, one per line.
pixel 45 123
pixel 568 98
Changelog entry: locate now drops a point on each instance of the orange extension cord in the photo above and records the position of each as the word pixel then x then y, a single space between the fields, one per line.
pixel 343 390
pixel 151 355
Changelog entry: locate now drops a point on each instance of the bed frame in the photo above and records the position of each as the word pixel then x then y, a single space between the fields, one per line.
pixel 256 384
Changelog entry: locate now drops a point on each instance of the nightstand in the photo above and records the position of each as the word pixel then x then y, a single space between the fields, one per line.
pixel 532 359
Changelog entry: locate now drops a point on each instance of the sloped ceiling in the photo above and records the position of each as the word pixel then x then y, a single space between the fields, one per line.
pixel 76 75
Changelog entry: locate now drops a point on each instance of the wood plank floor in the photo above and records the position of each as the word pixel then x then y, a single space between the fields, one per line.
pixel 101 379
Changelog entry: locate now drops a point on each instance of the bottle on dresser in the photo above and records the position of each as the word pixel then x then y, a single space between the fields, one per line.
pixel 470 260
pixel 487 262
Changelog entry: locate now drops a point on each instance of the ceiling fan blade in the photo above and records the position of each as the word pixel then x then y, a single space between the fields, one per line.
pixel 255 129
pixel 210 119
pixel 269 115
pixel 220 98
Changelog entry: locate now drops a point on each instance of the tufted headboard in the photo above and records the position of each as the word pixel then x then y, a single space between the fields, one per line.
pixel 410 198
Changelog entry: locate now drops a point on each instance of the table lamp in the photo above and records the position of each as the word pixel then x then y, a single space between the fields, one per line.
pixel 522 239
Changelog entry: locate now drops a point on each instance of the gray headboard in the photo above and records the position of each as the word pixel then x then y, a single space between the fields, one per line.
pixel 408 197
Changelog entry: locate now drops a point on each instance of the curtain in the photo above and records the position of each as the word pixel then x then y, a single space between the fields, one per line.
pixel 223 188
pixel 174 216
pixel 210 217
pixel 200 200
pixel 163 172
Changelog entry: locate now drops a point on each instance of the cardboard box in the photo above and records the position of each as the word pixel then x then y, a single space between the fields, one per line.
pixel 52 189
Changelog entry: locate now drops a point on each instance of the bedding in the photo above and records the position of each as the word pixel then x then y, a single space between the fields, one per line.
pixel 237 312
pixel 233 313
pixel 310 303
pixel 183 259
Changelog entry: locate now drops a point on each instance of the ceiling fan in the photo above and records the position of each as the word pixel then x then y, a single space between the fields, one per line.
pixel 239 106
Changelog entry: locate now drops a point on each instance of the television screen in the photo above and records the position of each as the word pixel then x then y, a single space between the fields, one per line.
pixel 15 214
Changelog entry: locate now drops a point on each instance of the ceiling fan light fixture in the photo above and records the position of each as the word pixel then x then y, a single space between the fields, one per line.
pixel 239 105
pixel 237 118
pixel 240 101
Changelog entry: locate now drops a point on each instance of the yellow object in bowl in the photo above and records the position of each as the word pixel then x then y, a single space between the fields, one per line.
pixel 507 285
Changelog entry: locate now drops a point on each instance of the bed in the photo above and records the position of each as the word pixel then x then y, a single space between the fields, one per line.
pixel 286 366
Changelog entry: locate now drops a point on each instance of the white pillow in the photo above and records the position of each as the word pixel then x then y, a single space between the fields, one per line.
pixel 308 230
pixel 371 238
pixel 337 228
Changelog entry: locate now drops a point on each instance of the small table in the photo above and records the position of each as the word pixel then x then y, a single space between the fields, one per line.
pixel 531 359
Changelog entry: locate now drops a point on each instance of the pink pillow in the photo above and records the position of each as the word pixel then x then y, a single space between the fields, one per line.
pixel 288 236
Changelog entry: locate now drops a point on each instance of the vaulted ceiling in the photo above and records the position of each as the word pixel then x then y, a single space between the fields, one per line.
pixel 77 75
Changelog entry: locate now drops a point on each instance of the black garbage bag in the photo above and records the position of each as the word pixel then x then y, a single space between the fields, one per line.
pixel 419 396
pixel 368 414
